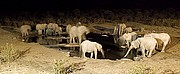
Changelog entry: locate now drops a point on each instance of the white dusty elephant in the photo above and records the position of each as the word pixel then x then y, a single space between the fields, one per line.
pixel 129 37
pixel 128 30
pixel 162 36
pixel 79 32
pixel 90 47
pixel 119 29
pixel 41 28
pixel 53 27
pixel 58 30
pixel 144 43
pixel 25 29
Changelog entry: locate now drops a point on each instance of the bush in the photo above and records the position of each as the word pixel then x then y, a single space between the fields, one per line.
pixel 9 54
pixel 142 69
pixel 60 68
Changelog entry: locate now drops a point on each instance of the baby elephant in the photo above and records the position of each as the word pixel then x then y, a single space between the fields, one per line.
pixel 90 47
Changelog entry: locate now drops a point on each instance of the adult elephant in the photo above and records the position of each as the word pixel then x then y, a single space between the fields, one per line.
pixel 41 28
pixel 90 47
pixel 162 36
pixel 79 32
pixel 118 31
pixel 25 29
pixel 128 30
pixel 52 27
pixel 129 37
pixel 144 43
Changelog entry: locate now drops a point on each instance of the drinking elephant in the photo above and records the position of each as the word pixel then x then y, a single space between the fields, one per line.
pixel 90 47
pixel 119 29
pixel 144 43
pixel 162 36
pixel 41 28
pixel 128 30
pixel 129 37
pixel 53 26
pixel 78 32
pixel 25 29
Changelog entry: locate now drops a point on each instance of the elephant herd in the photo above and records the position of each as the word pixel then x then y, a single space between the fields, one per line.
pixel 125 37
pixel 76 33
pixel 146 44
pixel 130 40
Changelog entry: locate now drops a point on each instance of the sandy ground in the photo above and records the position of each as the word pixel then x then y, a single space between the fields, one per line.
pixel 40 60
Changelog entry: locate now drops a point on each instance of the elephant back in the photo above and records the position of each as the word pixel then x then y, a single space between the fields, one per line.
pixel 82 30
pixel 25 28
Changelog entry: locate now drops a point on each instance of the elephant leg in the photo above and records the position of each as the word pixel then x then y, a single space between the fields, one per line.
pixel 95 52
pixel 80 39
pixel 150 52
pixel 147 52
pixel 22 34
pixel 84 54
pixel 164 45
pixel 70 41
pixel 91 54
pixel 73 39
pixel 143 52
pixel 39 32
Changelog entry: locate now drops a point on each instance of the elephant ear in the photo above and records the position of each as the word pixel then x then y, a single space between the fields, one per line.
pixel 136 43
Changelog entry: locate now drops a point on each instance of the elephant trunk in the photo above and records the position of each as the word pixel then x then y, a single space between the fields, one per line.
pixel 128 51
pixel 102 51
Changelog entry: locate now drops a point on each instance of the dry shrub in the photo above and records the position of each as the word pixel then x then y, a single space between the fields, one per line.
pixel 8 53
pixel 60 68
pixel 142 69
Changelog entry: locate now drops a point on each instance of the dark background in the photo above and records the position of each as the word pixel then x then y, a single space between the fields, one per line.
pixel 58 5
pixel 150 12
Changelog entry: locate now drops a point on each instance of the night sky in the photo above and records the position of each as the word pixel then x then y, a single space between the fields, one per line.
pixel 32 5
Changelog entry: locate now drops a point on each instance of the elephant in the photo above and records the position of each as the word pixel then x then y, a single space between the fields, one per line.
pixel 128 30
pixel 41 28
pixel 144 43
pixel 129 37
pixel 162 36
pixel 58 31
pixel 25 29
pixel 119 29
pixel 90 47
pixel 79 32
pixel 53 27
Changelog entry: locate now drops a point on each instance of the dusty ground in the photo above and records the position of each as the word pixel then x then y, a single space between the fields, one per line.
pixel 40 60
